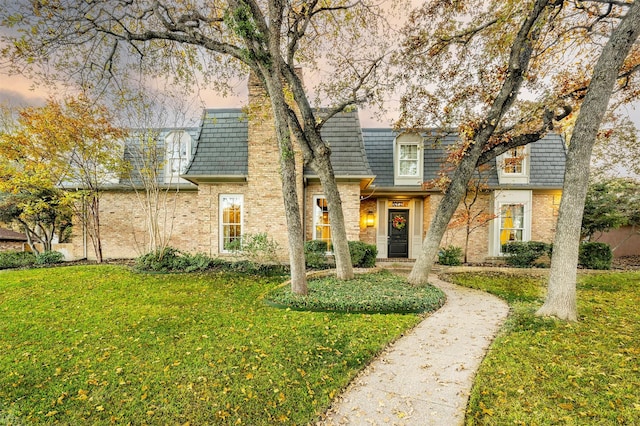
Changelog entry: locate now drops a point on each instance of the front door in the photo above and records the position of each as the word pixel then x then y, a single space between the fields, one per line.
pixel 398 233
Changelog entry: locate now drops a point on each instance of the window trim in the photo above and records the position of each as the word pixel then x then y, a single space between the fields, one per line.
pixel 410 139
pixel 221 223
pixel 522 176
pixel 507 197
pixel 169 142
pixel 316 198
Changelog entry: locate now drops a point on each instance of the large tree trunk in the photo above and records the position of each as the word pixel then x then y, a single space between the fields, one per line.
pixel 324 169
pixel 561 296
pixel 455 193
pixel 519 59
pixel 318 154
pixel 289 190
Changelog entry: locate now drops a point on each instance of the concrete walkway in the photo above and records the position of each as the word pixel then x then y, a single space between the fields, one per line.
pixel 425 377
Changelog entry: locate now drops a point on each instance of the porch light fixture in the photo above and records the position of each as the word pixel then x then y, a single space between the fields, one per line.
pixel 371 219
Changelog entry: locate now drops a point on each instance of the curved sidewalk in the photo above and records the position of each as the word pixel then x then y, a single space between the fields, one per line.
pixel 425 377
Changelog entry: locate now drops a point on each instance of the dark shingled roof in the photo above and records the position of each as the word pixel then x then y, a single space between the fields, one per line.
pixel 9 235
pixel 546 168
pixel 343 134
pixel 221 149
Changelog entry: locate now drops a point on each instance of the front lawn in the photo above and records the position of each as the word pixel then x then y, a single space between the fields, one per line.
pixel 547 372
pixel 100 344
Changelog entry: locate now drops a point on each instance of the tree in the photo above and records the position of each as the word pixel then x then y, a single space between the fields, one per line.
pixel 467 63
pixel 472 215
pixel 611 204
pixel 41 213
pixel 476 136
pixel 150 114
pixel 601 210
pixel 70 144
pixel 617 149
pixel 561 300
pixel 269 38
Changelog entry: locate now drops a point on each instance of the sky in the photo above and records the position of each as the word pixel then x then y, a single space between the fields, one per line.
pixel 17 90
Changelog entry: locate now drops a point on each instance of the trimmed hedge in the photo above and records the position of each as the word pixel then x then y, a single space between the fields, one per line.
pixel 16 259
pixel 171 260
pixel 315 254
pixel 49 258
pixel 363 255
pixel 523 254
pixel 594 255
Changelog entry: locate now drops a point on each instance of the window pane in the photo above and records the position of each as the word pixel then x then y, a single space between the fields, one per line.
pixel 321 225
pixel 511 223
pixel 231 219
pixel 408 168
pixel 513 160
pixel 408 152
pixel 408 160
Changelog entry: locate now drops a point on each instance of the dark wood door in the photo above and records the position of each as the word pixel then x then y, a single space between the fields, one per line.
pixel 398 233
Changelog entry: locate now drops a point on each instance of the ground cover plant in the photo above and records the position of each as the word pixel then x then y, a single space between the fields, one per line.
pixel 102 344
pixel 540 371
pixel 382 291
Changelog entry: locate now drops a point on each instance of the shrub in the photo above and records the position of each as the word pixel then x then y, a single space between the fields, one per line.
pixel 363 255
pixel 16 259
pixel 257 248
pixel 256 268
pixel 315 254
pixel 173 260
pixel 523 254
pixel 450 256
pixel 595 255
pixel 49 257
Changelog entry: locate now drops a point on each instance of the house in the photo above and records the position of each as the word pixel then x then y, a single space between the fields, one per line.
pixel 12 241
pixel 223 182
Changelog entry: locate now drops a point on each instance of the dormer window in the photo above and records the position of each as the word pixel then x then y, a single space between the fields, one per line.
pixel 514 161
pixel 178 149
pixel 408 162
pixel 513 166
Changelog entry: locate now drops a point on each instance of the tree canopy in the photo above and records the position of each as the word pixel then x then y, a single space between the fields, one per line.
pixel 95 41
pixel 503 74
pixel 71 143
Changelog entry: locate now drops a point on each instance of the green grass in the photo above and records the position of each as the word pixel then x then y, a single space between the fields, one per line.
pixel 100 344
pixel 540 371
pixel 382 291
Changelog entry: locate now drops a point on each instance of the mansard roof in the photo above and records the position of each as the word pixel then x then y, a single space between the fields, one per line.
pixel 547 158
pixel 222 147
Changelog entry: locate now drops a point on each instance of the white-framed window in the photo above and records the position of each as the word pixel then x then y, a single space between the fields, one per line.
pixel 513 218
pixel 513 165
pixel 321 225
pixel 178 154
pixel 408 160
pixel 231 206
pixel 511 223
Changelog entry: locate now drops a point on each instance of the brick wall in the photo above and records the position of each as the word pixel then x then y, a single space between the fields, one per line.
pixel 264 202
pixel 350 196
pixel 368 234
pixel 12 246
pixel 544 215
pixel 123 229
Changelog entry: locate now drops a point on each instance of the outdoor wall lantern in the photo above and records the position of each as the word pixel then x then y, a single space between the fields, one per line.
pixel 371 219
